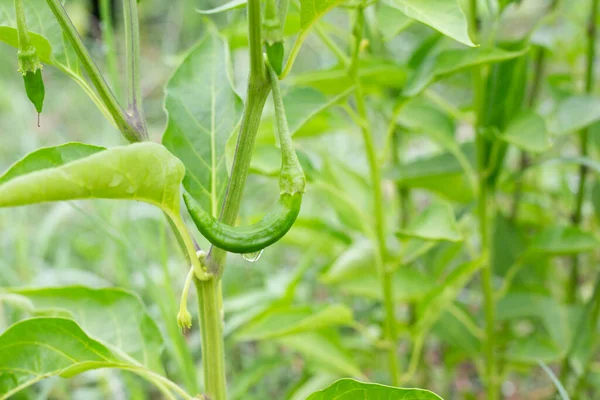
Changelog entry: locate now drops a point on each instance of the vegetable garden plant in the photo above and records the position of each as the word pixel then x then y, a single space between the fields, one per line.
pixel 432 224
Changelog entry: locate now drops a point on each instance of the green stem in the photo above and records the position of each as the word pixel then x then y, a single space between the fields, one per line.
pixel 485 206
pixel 391 334
pixel 23 39
pixel 213 347
pixel 589 316
pixel 584 149
pixel 108 37
pixel 132 51
pixel 122 119
pixel 209 294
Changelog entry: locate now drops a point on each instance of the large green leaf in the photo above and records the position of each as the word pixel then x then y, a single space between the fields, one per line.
pixel 574 113
pixel 49 157
pixel 350 389
pixel 448 62
pixel 203 112
pixel 528 132
pixel 114 316
pixel 436 222
pixel 143 171
pixel 445 16
pixel 292 320
pixel 38 348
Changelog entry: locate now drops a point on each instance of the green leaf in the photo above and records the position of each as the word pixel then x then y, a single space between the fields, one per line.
pixel 528 132
pixel 230 5
pixel 49 157
pixel 391 21
pixel 445 16
pixel 436 222
pixel 559 240
pixel 350 389
pixel 322 350
pixel 114 316
pixel 575 113
pixel 293 320
pixel 447 62
pixel 440 173
pixel 302 104
pixel 437 300
pixel 409 284
pixel 43 48
pixel 373 73
pixel 312 10
pixel 203 112
pixel 45 347
pixel 143 171
pixel 351 263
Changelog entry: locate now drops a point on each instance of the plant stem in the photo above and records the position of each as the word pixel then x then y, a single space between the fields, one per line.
pixel 209 294
pixel 23 39
pixel 122 119
pixel 524 161
pixel 132 52
pixel 485 206
pixel 584 149
pixel 213 347
pixel 258 90
pixel 589 316
pixel 385 276
pixel 108 39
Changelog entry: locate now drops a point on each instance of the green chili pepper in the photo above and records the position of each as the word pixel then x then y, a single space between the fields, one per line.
pixel 276 223
pixel 29 61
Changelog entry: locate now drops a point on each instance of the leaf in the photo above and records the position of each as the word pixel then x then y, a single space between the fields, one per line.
pixel 373 73
pixel 43 48
pixel 448 62
pixel 143 171
pixel 46 27
pixel 445 16
pixel 45 347
pixel 575 113
pixel 230 5
pixel 436 222
pixel 561 240
pixel 302 104
pixel 528 132
pixel 312 10
pixel 409 284
pixel 114 316
pixel 351 263
pixel 350 389
pixel 293 320
pixel 440 173
pixel 49 157
pixel 320 349
pixel 203 111
pixel 391 22
pixel 437 300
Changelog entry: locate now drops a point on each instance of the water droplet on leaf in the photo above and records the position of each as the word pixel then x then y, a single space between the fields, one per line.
pixel 252 257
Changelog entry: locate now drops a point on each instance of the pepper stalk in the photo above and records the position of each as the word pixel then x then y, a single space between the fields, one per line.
pixel 29 61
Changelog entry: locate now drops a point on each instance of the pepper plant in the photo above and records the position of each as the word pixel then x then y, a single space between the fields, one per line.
pixel 427 226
